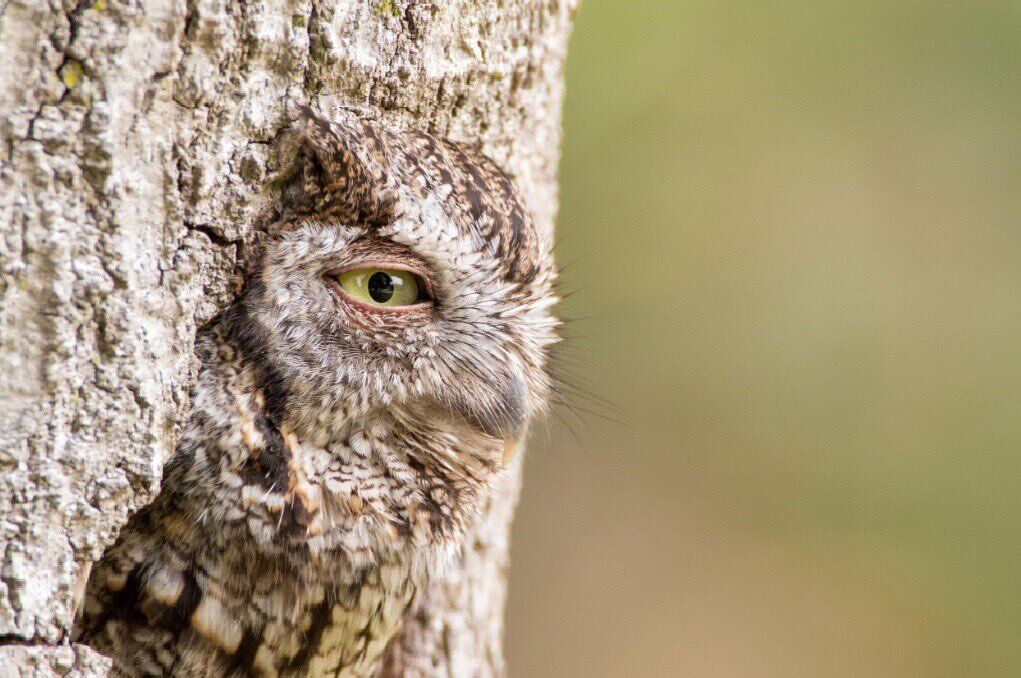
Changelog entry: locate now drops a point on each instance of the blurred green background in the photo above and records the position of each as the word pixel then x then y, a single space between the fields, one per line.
pixel 794 229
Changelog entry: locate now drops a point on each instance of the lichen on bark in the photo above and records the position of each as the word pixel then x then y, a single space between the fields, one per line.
pixel 135 145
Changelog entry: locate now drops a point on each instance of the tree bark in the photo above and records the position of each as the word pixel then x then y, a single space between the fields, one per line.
pixel 137 138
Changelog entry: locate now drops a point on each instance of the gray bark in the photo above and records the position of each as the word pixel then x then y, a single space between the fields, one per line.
pixel 137 136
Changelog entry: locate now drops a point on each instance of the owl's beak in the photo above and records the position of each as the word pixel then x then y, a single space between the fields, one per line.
pixel 505 418
pixel 514 425
pixel 510 449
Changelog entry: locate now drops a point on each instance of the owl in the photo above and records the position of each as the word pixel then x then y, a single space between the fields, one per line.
pixel 353 408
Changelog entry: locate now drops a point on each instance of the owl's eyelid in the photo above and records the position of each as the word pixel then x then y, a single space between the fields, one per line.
pixel 346 298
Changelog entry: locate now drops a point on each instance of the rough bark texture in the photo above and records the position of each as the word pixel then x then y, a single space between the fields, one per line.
pixel 137 137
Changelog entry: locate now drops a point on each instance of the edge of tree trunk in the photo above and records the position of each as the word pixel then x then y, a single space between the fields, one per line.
pixel 136 143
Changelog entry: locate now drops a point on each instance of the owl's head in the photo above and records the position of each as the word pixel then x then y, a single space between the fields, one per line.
pixel 400 316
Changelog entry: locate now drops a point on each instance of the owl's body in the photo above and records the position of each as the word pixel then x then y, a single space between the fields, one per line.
pixel 339 449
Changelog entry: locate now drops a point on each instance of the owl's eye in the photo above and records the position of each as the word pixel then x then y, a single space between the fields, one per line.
pixel 386 287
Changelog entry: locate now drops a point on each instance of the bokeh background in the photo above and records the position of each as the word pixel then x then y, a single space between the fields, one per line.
pixel 793 234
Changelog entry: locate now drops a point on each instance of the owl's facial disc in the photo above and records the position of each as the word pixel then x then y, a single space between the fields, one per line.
pixel 399 289
pixel 365 325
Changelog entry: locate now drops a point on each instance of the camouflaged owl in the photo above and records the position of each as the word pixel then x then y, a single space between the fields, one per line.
pixel 354 406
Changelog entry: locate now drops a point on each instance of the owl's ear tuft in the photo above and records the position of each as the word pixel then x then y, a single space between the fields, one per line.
pixel 340 171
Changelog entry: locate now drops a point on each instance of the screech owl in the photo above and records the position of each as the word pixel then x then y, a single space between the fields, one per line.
pixel 353 407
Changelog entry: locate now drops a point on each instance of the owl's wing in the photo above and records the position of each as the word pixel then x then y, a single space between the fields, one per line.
pixel 141 598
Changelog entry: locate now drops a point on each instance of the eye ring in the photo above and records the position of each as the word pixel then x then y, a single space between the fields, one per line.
pixel 382 287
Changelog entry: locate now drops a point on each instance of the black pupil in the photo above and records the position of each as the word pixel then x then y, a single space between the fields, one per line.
pixel 381 287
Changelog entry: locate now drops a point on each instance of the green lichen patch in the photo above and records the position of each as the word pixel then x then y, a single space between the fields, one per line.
pixel 71 73
pixel 387 8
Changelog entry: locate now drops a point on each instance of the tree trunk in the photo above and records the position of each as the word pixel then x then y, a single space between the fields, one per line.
pixel 137 137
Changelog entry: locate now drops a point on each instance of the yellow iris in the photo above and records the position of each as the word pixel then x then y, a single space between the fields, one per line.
pixel 381 286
